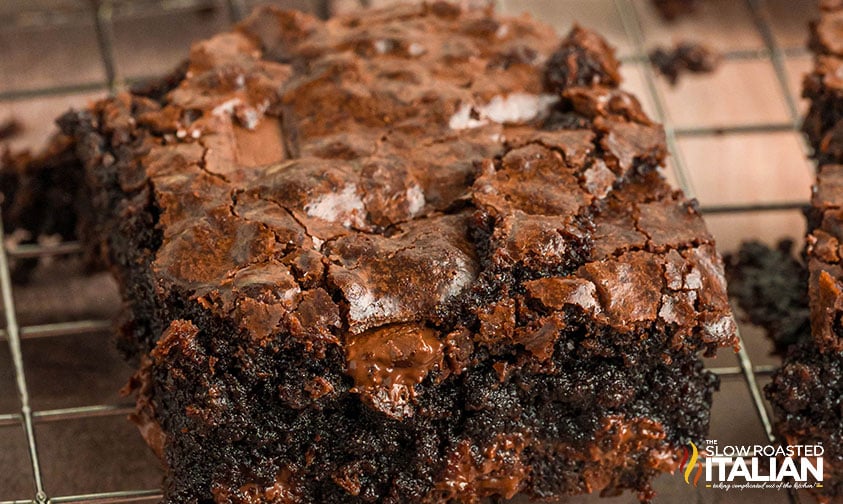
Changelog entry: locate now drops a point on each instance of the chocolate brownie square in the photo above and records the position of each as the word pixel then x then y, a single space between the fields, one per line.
pixel 417 254
pixel 806 393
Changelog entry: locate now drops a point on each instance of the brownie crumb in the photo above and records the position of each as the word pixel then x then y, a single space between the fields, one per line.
pixel 583 59
pixel 769 285
pixel 673 9
pixel 10 128
pixel 684 57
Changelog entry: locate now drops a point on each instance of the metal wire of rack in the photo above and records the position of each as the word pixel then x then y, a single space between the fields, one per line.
pixel 103 12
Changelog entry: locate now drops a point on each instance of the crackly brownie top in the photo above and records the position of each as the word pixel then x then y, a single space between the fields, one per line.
pixel 411 182
pixel 824 84
pixel 825 286
pixel 827 43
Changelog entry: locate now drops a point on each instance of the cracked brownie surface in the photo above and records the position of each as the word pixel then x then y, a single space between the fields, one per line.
pixel 823 86
pixel 417 254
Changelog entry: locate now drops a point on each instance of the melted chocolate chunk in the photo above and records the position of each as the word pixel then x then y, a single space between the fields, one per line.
pixel 386 364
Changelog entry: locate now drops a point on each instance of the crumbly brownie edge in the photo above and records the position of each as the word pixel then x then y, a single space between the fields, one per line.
pixel 40 196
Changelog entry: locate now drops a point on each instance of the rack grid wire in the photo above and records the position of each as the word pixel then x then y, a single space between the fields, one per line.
pixel 103 12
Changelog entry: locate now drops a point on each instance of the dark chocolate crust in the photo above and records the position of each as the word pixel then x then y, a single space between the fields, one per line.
pixel 412 255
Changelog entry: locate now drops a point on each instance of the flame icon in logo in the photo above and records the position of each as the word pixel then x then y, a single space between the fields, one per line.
pixel 689 465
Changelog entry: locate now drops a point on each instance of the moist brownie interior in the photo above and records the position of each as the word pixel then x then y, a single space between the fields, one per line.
pixel 417 254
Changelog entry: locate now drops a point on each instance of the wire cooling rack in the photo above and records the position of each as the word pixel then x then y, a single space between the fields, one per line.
pixel 103 13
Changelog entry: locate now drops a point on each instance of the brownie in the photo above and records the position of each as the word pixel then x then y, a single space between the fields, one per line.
pixel 417 254
pixel 823 87
pixel 42 196
pixel 807 391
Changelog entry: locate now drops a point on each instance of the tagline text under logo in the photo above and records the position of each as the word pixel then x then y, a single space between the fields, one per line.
pixel 754 466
